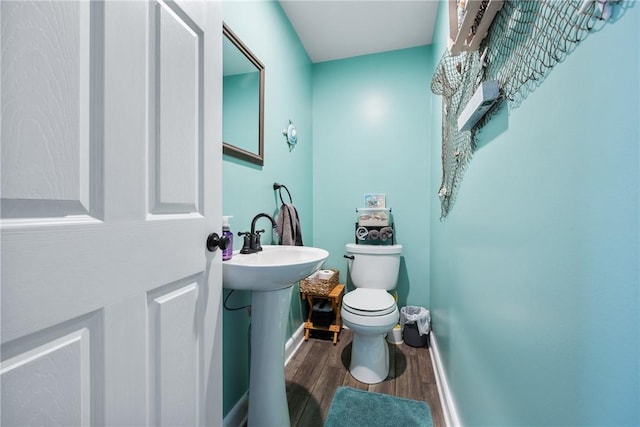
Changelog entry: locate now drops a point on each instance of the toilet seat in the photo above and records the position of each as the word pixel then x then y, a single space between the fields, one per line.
pixel 369 302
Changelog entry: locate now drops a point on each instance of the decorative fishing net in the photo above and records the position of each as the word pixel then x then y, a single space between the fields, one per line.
pixel 526 40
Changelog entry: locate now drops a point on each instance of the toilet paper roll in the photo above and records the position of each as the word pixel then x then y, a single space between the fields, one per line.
pixel 325 274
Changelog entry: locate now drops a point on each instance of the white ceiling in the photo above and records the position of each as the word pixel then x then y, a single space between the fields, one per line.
pixel 334 29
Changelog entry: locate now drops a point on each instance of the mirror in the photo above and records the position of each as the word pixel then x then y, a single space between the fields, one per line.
pixel 242 100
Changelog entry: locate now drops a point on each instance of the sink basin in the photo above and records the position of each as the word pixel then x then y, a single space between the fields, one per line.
pixel 275 267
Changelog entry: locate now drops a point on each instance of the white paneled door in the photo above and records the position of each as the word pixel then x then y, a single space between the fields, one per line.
pixel 110 166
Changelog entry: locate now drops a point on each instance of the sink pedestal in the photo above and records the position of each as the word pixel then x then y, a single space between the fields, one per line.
pixel 267 390
pixel 269 275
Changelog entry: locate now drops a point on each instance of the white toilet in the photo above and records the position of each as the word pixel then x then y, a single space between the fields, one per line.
pixel 369 310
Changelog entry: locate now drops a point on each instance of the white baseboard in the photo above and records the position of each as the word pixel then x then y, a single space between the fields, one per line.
pixel 293 344
pixel 238 415
pixel 451 418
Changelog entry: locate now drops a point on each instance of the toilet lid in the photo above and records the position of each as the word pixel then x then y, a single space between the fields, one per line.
pixel 369 302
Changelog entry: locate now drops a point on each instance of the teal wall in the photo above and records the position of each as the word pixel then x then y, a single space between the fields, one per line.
pixel 371 118
pixel 247 188
pixel 534 274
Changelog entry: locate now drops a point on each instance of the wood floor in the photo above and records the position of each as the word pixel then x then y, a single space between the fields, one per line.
pixel 319 367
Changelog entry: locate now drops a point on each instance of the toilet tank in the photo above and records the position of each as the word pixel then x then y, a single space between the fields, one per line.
pixel 374 266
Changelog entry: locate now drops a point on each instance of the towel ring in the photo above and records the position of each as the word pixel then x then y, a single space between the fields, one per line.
pixel 279 187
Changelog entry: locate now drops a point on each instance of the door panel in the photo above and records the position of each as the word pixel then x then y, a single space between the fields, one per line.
pixel 27 383
pixel 173 355
pixel 46 90
pixel 110 186
pixel 177 143
pixel 47 376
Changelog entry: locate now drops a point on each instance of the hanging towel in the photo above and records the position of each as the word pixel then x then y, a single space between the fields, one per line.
pixel 288 226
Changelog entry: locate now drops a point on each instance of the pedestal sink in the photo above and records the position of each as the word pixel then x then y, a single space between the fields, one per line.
pixel 269 275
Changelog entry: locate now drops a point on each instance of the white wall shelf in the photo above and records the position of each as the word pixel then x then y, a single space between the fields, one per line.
pixel 462 37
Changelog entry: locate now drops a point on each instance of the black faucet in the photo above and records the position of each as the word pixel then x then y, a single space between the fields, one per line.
pixel 252 238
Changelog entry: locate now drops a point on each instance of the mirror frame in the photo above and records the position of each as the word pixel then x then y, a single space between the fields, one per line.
pixel 232 150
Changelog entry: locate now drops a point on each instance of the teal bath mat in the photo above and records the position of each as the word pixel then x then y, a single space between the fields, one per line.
pixel 352 407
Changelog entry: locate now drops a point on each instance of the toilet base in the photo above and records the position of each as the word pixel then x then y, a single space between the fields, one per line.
pixel 369 358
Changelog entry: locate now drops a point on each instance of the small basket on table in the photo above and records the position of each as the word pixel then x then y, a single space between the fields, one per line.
pixel 319 287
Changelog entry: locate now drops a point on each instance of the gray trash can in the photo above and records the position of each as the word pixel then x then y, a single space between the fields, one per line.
pixel 416 325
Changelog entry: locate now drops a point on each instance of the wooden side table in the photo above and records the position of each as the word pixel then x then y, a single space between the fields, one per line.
pixel 335 296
